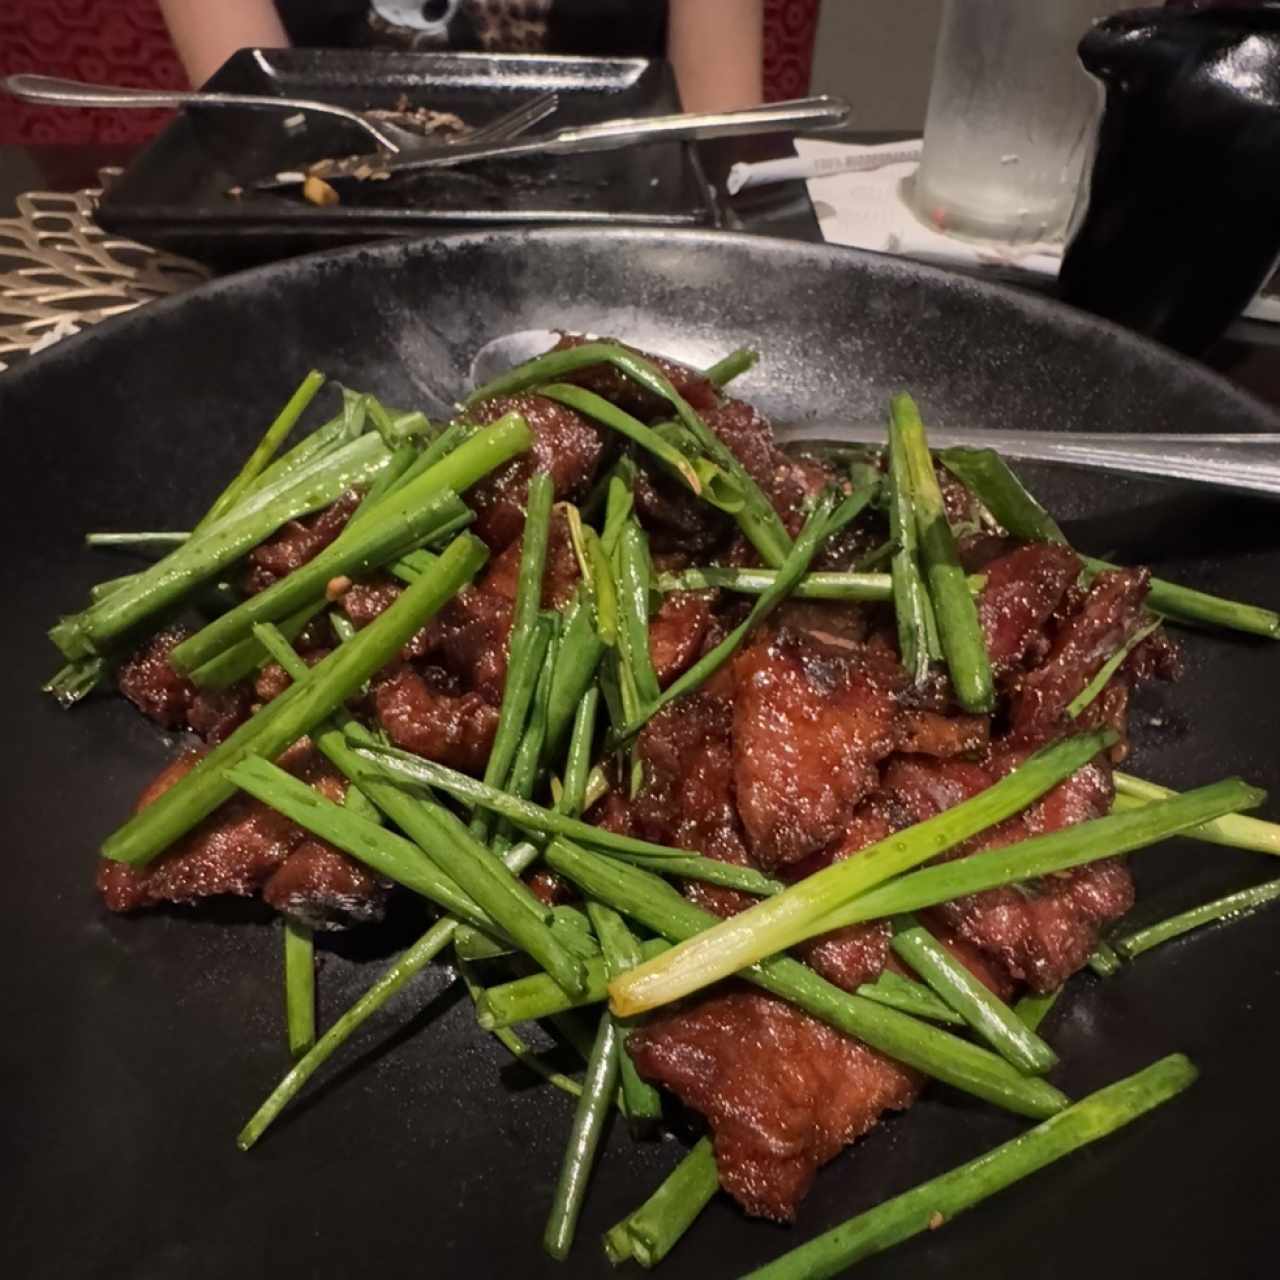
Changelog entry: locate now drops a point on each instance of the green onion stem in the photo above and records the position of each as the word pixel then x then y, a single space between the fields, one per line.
pixel 1094 688
pixel 757 518
pixel 984 1011
pixel 797 562
pixel 959 630
pixel 809 906
pixel 753 582
pixel 524 665
pixel 621 950
pixel 415 512
pixel 255 517
pixel 410 963
pixel 608 414
pixel 634 574
pixel 937 1201
pixel 731 366
pixel 650 1232
pixel 1233 905
pixel 266 449
pixel 245 656
pixel 1003 494
pixel 917 628
pixel 301 708
pixel 299 987
pixel 593 1108
pixel 1033 1008
pixel 509 1040
pixel 1235 830
pixel 937 1053
pixel 1044 855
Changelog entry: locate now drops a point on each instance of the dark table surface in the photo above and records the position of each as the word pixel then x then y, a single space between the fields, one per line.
pixel 1249 355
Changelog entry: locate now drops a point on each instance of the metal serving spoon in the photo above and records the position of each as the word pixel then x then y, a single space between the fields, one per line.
pixel 1242 463
pixel 390 137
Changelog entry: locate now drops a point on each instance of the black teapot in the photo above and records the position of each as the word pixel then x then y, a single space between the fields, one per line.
pixel 1182 221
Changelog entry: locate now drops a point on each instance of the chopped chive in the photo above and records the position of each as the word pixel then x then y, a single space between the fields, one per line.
pixel 1033 1008
pixel 935 1202
pixel 651 901
pixel 811 905
pixel 1228 908
pixel 1046 854
pixel 299 987
pixel 959 631
pixel 652 1231
pixel 266 448
pixel 913 611
pixel 1235 830
pixel 594 1105
pixel 1094 688
pixel 984 1011
pixel 731 366
pixel 302 707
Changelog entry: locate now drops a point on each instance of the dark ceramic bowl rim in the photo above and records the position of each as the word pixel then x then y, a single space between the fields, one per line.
pixel 1031 307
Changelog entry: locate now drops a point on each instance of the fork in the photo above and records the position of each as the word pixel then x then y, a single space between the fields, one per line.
pixel 57 92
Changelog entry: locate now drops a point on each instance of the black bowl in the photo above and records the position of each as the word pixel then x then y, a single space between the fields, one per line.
pixel 135 1048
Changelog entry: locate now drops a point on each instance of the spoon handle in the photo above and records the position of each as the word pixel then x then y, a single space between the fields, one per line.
pixel 1242 463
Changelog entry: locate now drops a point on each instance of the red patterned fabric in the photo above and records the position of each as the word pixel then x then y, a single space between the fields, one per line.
pixel 125 42
pixel 105 41
pixel 789 30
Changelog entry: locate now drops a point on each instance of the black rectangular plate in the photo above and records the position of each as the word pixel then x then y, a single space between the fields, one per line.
pixel 175 195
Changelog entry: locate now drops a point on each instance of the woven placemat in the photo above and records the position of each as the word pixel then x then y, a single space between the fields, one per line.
pixel 59 271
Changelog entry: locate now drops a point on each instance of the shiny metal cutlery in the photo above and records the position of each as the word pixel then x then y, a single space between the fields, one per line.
pixel 390 137
pixel 801 114
pixel 1242 463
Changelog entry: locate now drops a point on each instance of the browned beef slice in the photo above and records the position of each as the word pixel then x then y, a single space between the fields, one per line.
pixel 273 680
pixel 423 714
pixel 782 1092
pixel 565 444
pixel 787 482
pixel 321 887
pixel 1043 931
pixel 678 631
pixel 810 722
pixel 172 700
pixel 676 520
pixel 917 787
pixel 1023 589
pixel 559 579
pixel 234 850
pixel 930 733
pixel 687 798
pixel 216 714
pixel 614 385
pixel 297 542
pixel 549 889
pixel 469 636
pixel 152 685
pixel 834 623
pixel 1083 641
pixel 858 953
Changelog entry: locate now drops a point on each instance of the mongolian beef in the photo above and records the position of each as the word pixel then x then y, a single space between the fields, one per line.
pixel 800 657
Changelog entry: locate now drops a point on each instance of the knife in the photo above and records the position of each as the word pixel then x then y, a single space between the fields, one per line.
pixel 795 116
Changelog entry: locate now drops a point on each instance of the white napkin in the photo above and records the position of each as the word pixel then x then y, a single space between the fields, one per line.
pixel 866 209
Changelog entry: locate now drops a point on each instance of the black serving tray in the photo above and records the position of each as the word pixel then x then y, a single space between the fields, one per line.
pixel 175 195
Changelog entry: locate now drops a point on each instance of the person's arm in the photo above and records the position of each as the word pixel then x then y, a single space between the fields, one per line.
pixel 207 32
pixel 717 50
